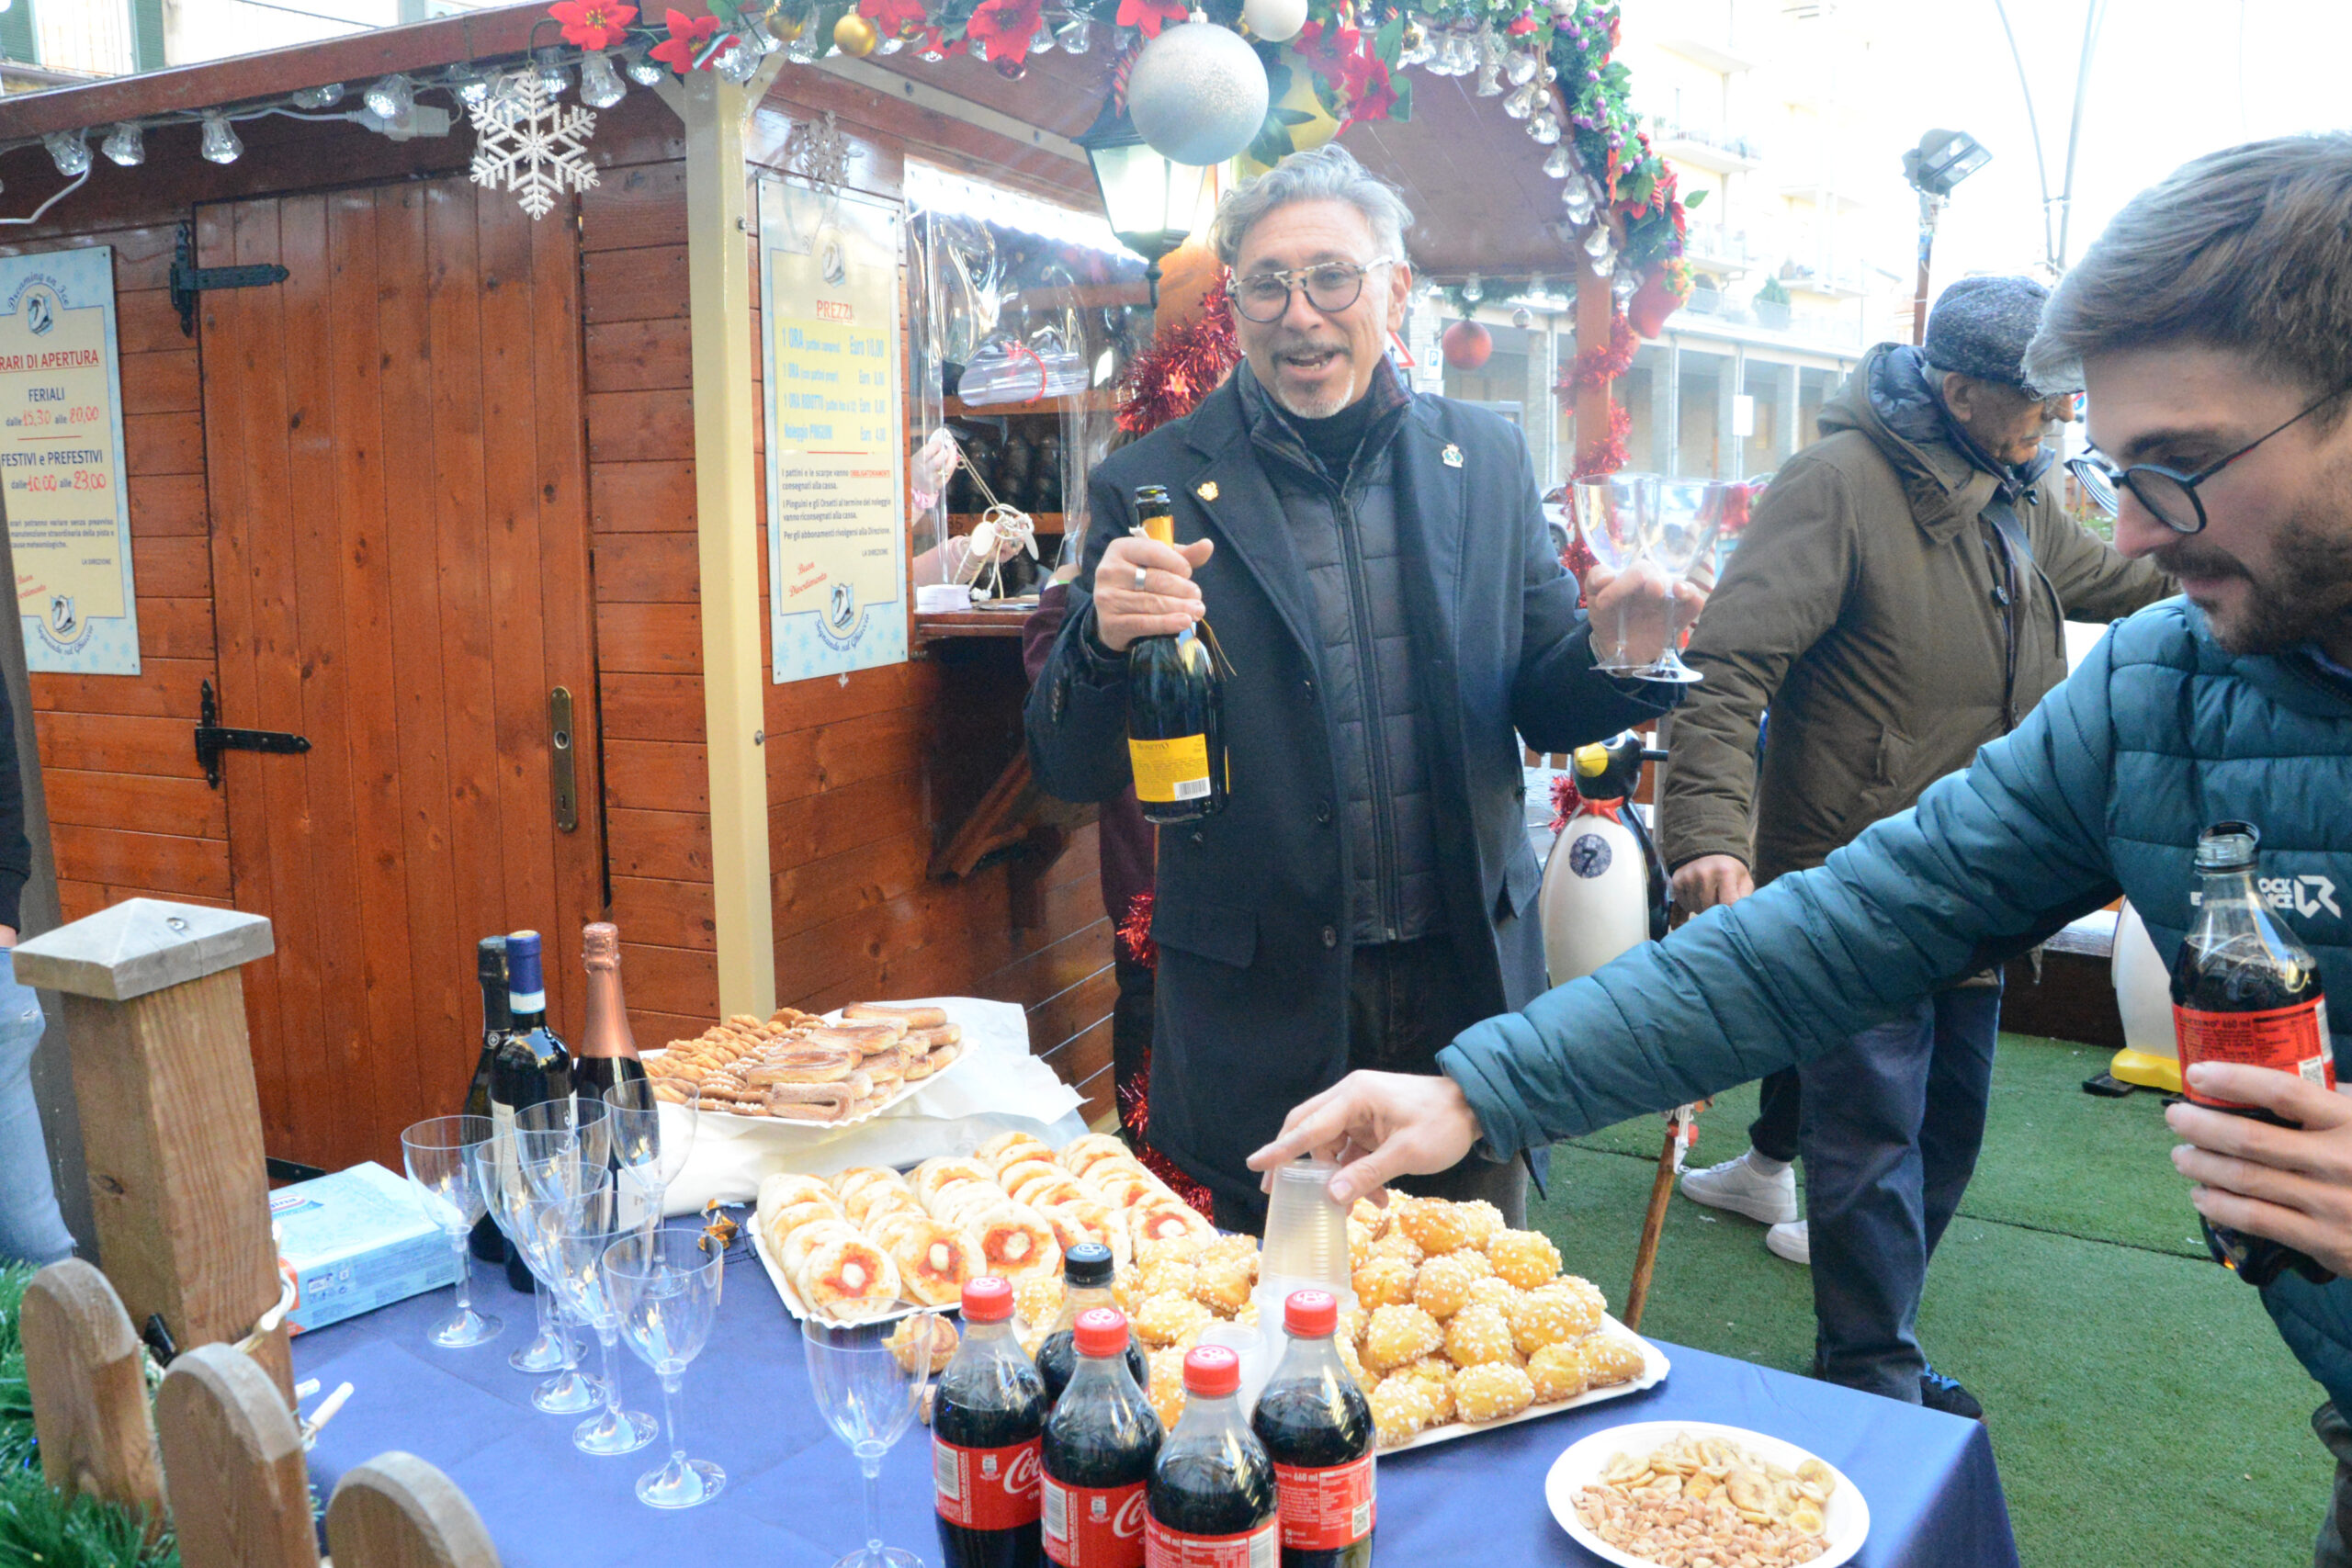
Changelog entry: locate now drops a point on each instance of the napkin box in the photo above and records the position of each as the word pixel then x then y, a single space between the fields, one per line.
pixel 355 1241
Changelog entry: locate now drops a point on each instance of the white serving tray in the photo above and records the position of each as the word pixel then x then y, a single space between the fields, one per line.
pixel 1846 1516
pixel 1654 1367
pixel 904 1092
pixel 798 1308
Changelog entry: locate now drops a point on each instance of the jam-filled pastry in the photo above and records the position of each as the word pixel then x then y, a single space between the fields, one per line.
pixel 848 1279
pixel 792 1248
pixel 1124 1184
pixel 783 1189
pixel 1016 1243
pixel 1013 1173
pixel 880 1202
pixel 1092 1150
pixel 1083 1219
pixel 966 1202
pixel 1163 1221
pixel 847 1184
pixel 1008 1149
pixel 935 1263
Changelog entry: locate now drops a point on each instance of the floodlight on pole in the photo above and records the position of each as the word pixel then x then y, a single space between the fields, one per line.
pixel 1940 163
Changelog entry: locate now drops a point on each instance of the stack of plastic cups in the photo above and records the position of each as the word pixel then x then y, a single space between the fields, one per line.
pixel 1306 1249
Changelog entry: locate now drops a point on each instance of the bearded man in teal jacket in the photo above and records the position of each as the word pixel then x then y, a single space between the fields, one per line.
pixel 2213 322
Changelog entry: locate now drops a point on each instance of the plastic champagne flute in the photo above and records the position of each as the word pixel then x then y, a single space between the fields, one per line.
pixel 1616 514
pixel 439 1153
pixel 1689 513
pixel 868 1379
pixel 665 1285
pixel 584 1228
pixel 500 1174
pixel 651 1140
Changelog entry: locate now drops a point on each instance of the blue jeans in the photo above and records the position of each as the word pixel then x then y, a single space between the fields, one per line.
pixel 31 1230
pixel 1890 1131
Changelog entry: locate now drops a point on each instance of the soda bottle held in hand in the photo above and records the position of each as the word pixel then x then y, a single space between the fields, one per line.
pixel 1100 1444
pixel 1212 1495
pixel 1317 1426
pixel 987 1421
pixel 1087 1271
pixel 2245 990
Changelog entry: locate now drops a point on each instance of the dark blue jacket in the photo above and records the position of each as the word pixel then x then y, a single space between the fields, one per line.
pixel 2106 786
pixel 1251 912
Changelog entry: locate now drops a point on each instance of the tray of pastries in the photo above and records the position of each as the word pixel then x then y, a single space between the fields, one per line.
pixel 870 1243
pixel 834 1069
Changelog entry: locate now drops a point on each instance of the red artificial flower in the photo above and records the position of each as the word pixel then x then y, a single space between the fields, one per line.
pixel 593 24
pixel 1327 49
pixel 1521 25
pixel 1151 15
pixel 902 19
pixel 1005 27
pixel 688 35
pixel 1371 92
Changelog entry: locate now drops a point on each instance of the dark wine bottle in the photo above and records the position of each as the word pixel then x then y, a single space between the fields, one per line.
pixel 1175 730
pixel 532 1064
pixel 490 962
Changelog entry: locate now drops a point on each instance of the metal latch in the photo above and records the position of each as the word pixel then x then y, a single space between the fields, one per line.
pixel 211 739
pixel 188 279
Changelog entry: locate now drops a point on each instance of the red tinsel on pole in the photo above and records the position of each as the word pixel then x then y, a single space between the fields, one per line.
pixel 1605 455
pixel 1168 380
pixel 1602 362
pixel 1135 932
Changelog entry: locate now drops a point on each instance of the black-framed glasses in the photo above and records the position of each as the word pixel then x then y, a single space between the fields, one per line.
pixel 2169 495
pixel 1330 288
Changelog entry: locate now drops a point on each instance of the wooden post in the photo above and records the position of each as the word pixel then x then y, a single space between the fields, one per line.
pixel 171 1121
pixel 87 1376
pixel 233 1464
pixel 1596 314
pixel 1638 1294
pixel 396 1511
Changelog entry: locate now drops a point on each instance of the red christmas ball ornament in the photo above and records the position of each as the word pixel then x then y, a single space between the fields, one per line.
pixel 1467 345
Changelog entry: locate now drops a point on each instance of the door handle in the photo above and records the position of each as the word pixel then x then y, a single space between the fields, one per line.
pixel 560 771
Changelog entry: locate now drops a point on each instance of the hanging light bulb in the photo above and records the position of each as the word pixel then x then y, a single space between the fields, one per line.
pixel 124 145
pixel 1577 198
pixel 600 85
pixel 1558 164
pixel 643 70
pixel 70 151
pixel 1474 288
pixel 1520 68
pixel 221 143
pixel 1544 128
pixel 553 77
pixel 324 96
pixel 473 91
pixel 1522 102
pixel 390 98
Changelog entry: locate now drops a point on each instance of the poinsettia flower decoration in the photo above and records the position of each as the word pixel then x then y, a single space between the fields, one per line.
pixel 1150 16
pixel 900 19
pixel 593 24
pixel 1003 27
pixel 689 36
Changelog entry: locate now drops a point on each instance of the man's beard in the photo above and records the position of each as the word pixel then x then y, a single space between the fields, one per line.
pixel 2306 596
pixel 1297 407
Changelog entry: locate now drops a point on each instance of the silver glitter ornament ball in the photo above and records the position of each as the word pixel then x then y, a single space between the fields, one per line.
pixel 1197 94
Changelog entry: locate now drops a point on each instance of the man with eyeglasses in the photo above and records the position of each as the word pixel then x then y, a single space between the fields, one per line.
pixel 1899 600
pixel 2213 322
pixel 1377 569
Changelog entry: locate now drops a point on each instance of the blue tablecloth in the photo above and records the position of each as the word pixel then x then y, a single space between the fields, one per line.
pixel 793 1493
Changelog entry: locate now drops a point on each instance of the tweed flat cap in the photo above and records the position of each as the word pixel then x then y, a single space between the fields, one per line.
pixel 1980 327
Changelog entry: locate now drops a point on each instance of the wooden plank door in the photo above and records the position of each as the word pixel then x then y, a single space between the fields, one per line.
pixel 396 461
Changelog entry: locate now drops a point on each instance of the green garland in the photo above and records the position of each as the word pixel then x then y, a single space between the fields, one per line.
pixel 38 1526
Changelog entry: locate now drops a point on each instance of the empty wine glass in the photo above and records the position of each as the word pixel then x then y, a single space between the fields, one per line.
pixel 1688 514
pixel 583 1228
pixel 651 1140
pixel 664 1284
pixel 439 1153
pixel 1616 514
pixel 868 1387
pixel 563 1144
pixel 500 1171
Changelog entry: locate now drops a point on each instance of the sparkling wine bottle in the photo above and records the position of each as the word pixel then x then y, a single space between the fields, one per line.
pixel 1175 730
pixel 607 1051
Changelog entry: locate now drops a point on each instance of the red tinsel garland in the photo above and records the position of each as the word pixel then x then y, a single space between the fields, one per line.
pixel 1566 801
pixel 1602 362
pixel 1608 454
pixel 1168 380
pixel 1135 932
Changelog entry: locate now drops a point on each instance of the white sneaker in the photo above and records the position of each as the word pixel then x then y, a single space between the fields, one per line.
pixel 1791 1241
pixel 1738 1186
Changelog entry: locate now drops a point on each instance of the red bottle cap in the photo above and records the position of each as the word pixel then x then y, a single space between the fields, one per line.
pixel 1212 1372
pixel 1309 1314
pixel 1100 1331
pixel 987 1300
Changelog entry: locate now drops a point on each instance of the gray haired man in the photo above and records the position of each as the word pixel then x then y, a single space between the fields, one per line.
pixel 1377 568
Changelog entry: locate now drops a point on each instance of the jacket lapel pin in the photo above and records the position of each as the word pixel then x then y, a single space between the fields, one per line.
pixel 1451 456
pixel 1205 489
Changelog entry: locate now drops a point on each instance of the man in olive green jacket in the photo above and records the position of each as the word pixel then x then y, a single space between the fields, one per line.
pixel 1898 602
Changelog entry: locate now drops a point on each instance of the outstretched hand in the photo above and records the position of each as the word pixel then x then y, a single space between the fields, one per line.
pixel 1375 1126
pixel 2290 1184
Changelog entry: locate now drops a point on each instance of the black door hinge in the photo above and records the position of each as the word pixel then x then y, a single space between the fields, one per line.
pixel 211 739
pixel 190 279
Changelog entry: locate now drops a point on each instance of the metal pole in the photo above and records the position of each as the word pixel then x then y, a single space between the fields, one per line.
pixel 2033 124
pixel 1930 209
pixel 2094 15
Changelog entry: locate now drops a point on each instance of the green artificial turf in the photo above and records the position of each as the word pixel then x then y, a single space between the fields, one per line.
pixel 2141 1405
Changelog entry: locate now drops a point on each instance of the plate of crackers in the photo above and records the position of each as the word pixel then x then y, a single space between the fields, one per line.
pixel 833 1070
pixel 1654 1493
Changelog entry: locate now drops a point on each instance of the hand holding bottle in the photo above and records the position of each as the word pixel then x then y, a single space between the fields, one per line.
pixel 1167 601
pixel 2289 1184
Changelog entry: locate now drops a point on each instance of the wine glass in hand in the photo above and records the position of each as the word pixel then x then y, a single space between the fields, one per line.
pixel 1617 513
pixel 1689 512
pixel 651 1140
pixel 868 1378
pixel 439 1153
pixel 584 1228
pixel 664 1283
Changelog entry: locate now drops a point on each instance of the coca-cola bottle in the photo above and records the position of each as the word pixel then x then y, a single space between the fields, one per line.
pixel 1087 1271
pixel 1100 1442
pixel 988 1418
pixel 1317 1426
pixel 1212 1497
pixel 2246 990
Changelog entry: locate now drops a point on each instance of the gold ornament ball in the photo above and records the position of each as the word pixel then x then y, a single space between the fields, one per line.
pixel 855 35
pixel 787 28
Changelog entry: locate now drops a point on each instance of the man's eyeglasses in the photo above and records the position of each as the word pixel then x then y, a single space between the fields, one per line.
pixel 1331 288
pixel 2169 495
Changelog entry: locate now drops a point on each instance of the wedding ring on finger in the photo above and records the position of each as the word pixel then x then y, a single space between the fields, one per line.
pixel 1140 574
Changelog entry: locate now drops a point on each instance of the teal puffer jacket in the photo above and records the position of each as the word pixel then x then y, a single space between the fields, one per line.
pixel 2104 786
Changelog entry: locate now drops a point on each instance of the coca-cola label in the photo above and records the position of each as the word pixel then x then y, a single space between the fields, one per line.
pixel 1094 1527
pixel 1325 1510
pixel 987 1489
pixel 1165 1548
pixel 2288 1040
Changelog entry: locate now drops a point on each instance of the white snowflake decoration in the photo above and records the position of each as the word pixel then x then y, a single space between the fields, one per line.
pixel 538 147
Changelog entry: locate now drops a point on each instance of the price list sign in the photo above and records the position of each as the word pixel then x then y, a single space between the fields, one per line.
pixel 61 462
pixel 836 431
